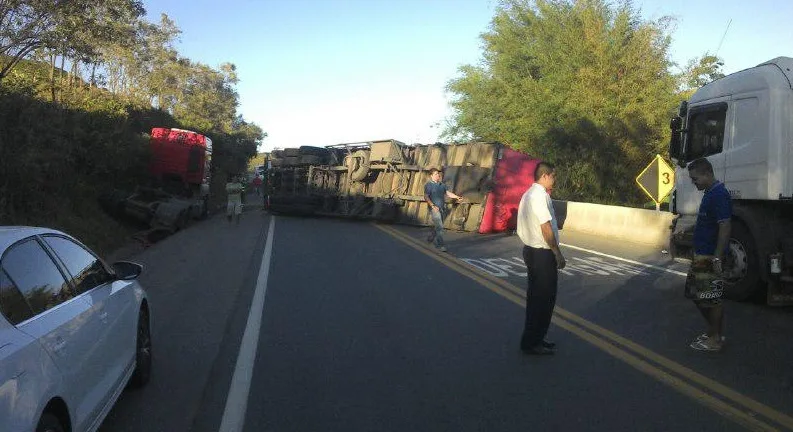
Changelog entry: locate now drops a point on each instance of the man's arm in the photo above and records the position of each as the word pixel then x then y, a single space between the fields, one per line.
pixel 723 211
pixel 427 197
pixel 429 202
pixel 722 241
pixel 452 195
pixel 553 243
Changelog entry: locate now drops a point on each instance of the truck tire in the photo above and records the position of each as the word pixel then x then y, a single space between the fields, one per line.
pixel 359 165
pixel 204 209
pixel 311 160
pixel 742 266
pixel 314 151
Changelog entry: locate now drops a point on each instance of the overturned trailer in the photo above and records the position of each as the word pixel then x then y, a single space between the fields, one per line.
pixel 384 180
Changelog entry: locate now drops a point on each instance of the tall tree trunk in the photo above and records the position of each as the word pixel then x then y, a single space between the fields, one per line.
pixel 73 73
pixel 123 89
pixel 61 73
pixel 52 75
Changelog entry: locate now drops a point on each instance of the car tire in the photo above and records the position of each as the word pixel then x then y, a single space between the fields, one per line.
pixel 143 352
pixel 49 423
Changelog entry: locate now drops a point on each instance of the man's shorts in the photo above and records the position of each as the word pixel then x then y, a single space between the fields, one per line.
pixel 233 208
pixel 703 285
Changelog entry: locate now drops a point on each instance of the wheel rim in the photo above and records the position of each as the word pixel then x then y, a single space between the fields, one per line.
pixel 737 262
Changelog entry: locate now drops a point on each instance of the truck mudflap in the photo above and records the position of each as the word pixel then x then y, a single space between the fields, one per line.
pixel 780 283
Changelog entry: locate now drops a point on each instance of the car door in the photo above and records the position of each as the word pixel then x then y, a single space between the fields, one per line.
pixel 62 322
pixel 26 371
pixel 112 301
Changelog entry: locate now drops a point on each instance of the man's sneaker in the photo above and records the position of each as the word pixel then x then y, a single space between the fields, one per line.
pixel 707 344
pixel 442 248
pixel 704 336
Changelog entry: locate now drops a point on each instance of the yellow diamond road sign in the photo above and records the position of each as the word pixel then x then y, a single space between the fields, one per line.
pixel 657 179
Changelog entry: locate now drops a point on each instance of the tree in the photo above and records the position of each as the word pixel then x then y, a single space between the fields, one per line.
pixel 698 72
pixel 25 25
pixel 208 100
pixel 581 83
pixel 66 27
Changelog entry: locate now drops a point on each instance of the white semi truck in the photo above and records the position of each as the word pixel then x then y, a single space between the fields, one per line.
pixel 743 124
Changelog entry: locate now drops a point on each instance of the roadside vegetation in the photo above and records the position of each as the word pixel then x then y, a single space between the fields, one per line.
pixel 81 85
pixel 586 84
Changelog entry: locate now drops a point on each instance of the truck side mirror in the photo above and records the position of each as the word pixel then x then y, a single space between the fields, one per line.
pixel 682 110
pixel 676 141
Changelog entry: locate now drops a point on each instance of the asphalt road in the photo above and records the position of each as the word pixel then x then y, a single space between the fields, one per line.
pixel 365 328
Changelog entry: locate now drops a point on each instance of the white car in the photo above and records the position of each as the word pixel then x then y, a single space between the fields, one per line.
pixel 74 332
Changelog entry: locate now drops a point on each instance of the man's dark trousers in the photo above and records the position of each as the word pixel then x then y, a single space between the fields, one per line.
pixel 541 295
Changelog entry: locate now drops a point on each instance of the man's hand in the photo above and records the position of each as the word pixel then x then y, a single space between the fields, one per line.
pixel 560 261
pixel 717 268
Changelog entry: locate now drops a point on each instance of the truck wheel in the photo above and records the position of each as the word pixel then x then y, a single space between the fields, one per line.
pixel 182 220
pixel 204 209
pixel 321 152
pixel 361 169
pixel 742 268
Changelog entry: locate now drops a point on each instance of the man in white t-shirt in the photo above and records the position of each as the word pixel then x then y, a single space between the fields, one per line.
pixel 539 231
pixel 234 201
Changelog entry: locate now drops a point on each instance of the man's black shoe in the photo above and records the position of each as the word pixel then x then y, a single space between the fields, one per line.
pixel 548 344
pixel 538 350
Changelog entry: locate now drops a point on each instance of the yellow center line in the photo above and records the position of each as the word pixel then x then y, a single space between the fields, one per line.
pixel 568 321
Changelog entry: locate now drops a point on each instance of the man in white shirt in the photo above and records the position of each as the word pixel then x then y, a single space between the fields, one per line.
pixel 234 202
pixel 538 230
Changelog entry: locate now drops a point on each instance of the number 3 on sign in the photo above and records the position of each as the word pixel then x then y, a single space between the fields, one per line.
pixel 665 180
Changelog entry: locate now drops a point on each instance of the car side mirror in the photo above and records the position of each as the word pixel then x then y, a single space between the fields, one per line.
pixel 126 270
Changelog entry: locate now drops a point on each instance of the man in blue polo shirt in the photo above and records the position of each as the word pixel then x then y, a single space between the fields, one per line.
pixel 711 237
pixel 435 194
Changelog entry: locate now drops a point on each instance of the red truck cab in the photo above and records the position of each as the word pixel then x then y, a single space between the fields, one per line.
pixel 179 157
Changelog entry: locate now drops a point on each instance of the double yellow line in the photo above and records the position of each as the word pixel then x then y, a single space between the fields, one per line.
pixel 727 402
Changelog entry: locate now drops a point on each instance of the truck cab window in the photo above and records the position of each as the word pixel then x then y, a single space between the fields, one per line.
pixel 706 132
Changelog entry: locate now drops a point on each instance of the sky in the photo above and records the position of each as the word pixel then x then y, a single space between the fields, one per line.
pixel 320 72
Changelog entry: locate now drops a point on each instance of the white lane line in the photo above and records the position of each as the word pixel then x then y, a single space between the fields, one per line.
pixel 675 272
pixel 237 400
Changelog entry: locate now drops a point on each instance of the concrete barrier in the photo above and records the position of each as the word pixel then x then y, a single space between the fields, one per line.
pixel 623 223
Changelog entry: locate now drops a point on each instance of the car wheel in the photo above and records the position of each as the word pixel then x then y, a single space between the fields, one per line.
pixel 49 423
pixel 143 352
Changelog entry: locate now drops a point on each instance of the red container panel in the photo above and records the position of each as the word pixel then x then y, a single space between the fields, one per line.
pixel 514 174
